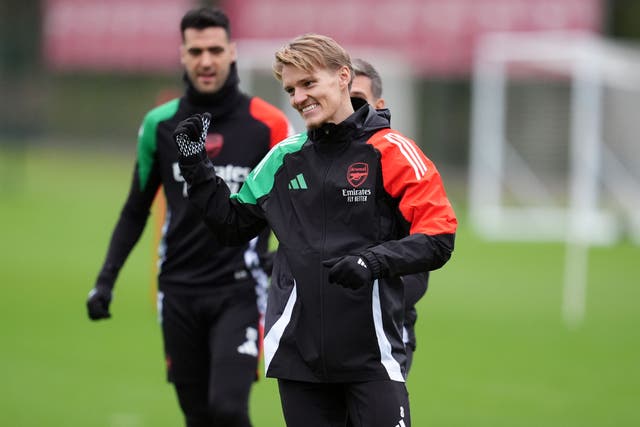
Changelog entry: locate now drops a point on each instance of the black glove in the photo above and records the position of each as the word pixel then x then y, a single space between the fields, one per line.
pixel 98 302
pixel 191 134
pixel 350 271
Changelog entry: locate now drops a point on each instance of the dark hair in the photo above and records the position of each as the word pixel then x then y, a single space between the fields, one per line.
pixel 205 17
pixel 363 68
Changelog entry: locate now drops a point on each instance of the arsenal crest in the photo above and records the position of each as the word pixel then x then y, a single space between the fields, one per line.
pixel 357 174
pixel 213 144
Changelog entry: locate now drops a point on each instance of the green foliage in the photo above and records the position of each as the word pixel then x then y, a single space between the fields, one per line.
pixel 492 347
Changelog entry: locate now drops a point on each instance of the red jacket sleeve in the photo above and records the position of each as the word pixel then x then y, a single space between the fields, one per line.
pixel 413 179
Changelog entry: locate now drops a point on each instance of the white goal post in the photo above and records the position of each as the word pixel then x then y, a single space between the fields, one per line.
pixel 555 152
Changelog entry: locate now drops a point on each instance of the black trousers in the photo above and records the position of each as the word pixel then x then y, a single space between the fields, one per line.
pixel 365 404
pixel 212 346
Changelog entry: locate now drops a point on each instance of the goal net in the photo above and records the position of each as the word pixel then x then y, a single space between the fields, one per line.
pixel 555 152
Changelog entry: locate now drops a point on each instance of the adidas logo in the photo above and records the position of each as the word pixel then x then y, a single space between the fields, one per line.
pixel 298 183
pixel 362 263
pixel 250 346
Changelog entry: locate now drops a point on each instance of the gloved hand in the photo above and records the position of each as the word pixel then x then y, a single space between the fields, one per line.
pixel 349 271
pixel 190 134
pixel 98 302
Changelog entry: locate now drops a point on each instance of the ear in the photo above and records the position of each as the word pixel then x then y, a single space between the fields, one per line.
pixel 234 51
pixel 344 76
pixel 379 104
pixel 183 53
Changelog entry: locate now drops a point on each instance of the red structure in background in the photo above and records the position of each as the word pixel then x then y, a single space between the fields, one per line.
pixel 123 35
pixel 436 36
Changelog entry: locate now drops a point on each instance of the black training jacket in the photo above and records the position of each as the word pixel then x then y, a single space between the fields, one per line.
pixel 192 260
pixel 354 188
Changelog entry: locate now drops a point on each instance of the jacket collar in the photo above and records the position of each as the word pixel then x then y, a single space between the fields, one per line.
pixel 363 122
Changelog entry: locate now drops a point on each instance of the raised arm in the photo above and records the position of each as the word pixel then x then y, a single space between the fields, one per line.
pixel 231 221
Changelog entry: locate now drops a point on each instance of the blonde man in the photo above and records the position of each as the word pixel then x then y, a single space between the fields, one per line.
pixel 355 205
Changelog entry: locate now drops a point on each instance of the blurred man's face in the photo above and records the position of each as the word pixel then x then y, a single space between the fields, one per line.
pixel 321 96
pixel 207 56
pixel 361 88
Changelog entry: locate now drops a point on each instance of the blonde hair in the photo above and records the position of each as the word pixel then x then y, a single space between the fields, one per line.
pixel 310 51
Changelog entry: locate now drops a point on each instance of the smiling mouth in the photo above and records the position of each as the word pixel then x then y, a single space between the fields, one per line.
pixel 308 108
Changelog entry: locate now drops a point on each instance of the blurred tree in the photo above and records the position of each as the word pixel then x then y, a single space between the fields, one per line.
pixel 20 72
pixel 211 3
pixel 623 19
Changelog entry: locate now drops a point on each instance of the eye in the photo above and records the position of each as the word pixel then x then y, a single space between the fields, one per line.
pixel 289 90
pixel 195 51
pixel 216 50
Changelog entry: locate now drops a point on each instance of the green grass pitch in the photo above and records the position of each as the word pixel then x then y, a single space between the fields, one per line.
pixel 492 347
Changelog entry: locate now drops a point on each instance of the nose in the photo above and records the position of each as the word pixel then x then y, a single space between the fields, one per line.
pixel 206 60
pixel 298 97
